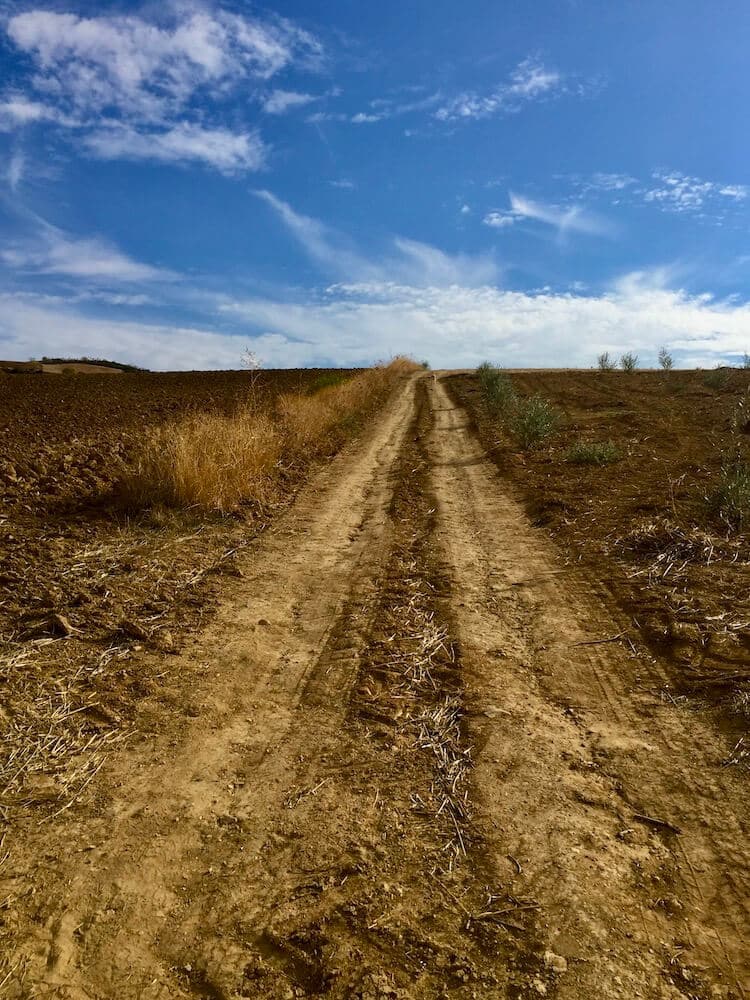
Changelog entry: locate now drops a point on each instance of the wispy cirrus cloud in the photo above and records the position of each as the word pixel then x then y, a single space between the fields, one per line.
pixel 226 151
pixel 50 251
pixel 16 110
pixel 602 181
pixel 15 170
pixel 413 261
pixel 567 219
pixel 278 102
pixel 530 81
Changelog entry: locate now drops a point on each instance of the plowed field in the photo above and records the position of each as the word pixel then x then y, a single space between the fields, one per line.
pixel 418 750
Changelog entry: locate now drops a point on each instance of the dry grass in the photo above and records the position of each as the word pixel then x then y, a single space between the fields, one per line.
pixel 216 462
pixel 206 460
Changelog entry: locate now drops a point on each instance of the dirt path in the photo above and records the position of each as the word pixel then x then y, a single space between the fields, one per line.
pixel 398 775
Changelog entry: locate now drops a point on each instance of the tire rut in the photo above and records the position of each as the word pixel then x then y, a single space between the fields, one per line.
pixel 412 775
pixel 98 927
pixel 579 743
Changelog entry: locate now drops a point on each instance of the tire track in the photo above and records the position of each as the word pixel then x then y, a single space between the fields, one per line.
pixel 580 743
pixel 277 668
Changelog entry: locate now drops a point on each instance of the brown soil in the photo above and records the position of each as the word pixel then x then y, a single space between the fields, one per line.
pixel 85 587
pixel 395 764
pixel 642 525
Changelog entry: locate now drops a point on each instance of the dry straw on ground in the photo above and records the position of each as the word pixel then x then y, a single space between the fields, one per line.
pixel 216 462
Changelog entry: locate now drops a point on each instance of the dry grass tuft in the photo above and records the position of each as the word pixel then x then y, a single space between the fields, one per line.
pixel 216 462
pixel 206 460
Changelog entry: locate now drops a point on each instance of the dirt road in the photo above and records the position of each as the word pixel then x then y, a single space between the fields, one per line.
pixel 402 762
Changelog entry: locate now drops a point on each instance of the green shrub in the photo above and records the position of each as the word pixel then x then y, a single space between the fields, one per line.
pixel 532 420
pixel 497 388
pixel 629 362
pixel 485 373
pixel 499 394
pixel 605 363
pixel 716 379
pixel 731 498
pixel 593 453
pixel 746 360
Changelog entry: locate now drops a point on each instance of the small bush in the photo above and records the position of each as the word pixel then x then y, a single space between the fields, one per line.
pixel 593 453
pixel 605 363
pixel 497 388
pixel 532 420
pixel 746 360
pixel 485 372
pixel 499 394
pixel 716 379
pixel 666 361
pixel 629 362
pixel 731 498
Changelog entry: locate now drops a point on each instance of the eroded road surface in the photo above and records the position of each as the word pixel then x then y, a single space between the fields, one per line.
pixel 409 767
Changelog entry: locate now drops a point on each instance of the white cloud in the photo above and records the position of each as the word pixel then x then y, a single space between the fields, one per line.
pixel 458 327
pixel 129 86
pixel 353 324
pixel 344 184
pixel 530 81
pixel 53 252
pixel 387 107
pixel 31 328
pixel 573 219
pixel 319 241
pixel 676 192
pixel 366 118
pixel 606 182
pixel 280 101
pixel 500 220
pixel 15 170
pixel 228 152
pixel 17 110
pixel 147 69
pixel 414 262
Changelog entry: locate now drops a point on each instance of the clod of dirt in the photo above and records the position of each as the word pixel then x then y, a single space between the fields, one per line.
pixel 556 963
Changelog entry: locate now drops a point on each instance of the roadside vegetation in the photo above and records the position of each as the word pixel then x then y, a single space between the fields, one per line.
pixel 730 499
pixel 647 482
pixel 593 453
pixel 530 420
pixel 214 461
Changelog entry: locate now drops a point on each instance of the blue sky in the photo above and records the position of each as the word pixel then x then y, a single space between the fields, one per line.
pixel 332 183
